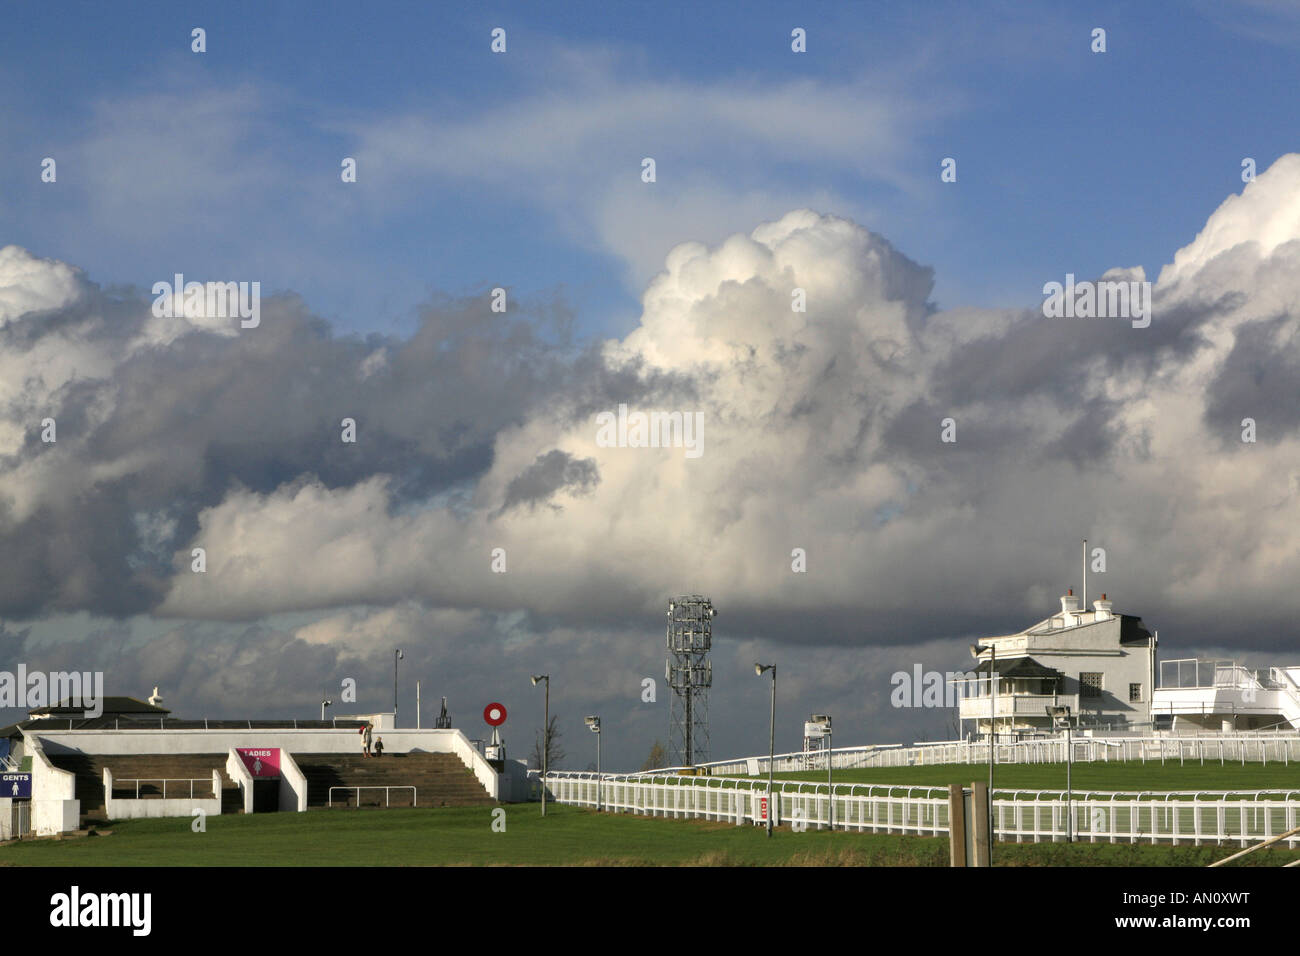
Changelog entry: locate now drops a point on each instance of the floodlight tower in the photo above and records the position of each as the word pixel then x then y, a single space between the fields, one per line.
pixel 690 675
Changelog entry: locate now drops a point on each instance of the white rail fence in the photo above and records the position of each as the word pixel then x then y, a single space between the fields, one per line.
pixel 205 783
pixel 387 793
pixel 1023 816
pixel 1210 748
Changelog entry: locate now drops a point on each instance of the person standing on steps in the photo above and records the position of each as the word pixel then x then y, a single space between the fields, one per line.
pixel 365 741
pixel 379 747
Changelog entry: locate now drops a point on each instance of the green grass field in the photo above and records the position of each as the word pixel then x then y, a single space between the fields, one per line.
pixel 567 836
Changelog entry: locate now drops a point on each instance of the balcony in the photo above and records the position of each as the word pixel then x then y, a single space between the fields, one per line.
pixel 1014 705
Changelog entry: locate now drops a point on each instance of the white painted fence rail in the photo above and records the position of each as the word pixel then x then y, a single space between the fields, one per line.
pixel 1026 816
pixel 1210 748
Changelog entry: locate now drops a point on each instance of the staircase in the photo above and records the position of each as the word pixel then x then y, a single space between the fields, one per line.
pixel 89 771
pixel 1290 702
pixel 441 780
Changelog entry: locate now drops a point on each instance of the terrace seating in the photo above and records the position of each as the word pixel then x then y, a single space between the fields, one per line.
pixel 441 780
pixel 150 769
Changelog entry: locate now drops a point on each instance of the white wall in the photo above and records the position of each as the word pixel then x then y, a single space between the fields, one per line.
pixel 293 784
pixel 131 808
pixel 55 816
pixel 55 808
pixel 157 741
pixel 515 784
pixel 242 776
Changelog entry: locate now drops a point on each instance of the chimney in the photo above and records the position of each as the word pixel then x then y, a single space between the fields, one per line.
pixel 1069 603
pixel 1103 609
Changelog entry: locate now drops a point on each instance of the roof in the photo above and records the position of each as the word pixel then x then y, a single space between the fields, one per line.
pixel 110 722
pixel 1020 668
pixel 70 706
pixel 1132 630
pixel 13 730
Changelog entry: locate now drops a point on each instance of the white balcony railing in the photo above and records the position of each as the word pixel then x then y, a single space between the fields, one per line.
pixel 1014 705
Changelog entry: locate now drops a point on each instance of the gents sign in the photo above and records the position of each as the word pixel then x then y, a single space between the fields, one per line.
pixel 261 761
pixel 16 785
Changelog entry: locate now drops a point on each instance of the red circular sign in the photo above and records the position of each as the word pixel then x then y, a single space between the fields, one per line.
pixel 494 714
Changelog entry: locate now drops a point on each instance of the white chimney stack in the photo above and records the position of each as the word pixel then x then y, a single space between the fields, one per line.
pixel 1103 609
pixel 1069 608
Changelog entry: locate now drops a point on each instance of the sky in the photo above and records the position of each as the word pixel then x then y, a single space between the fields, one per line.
pixel 1169 156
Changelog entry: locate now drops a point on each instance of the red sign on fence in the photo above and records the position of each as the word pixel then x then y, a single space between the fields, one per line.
pixel 762 808
pixel 262 762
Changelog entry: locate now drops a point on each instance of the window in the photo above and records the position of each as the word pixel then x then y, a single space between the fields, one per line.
pixel 1134 692
pixel 1090 684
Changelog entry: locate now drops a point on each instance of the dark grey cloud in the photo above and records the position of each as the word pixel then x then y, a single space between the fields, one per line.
pixel 550 474
pixel 198 415
pixel 1259 379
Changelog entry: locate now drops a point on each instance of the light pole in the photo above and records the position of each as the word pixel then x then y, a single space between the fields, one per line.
pixel 324 702
pixel 771 742
pixel 594 724
pixel 1061 715
pixel 397 656
pixel 546 731
pixel 975 651
pixel 824 725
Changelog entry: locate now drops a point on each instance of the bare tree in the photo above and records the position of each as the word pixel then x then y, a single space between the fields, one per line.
pixel 658 757
pixel 554 752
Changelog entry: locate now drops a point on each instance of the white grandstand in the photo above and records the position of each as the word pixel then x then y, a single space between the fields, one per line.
pixel 1225 696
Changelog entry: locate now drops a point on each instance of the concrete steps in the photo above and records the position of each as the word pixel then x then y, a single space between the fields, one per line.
pixel 150 769
pixel 441 780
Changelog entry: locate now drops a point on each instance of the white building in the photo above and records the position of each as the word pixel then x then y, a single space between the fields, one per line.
pixel 1224 696
pixel 1100 664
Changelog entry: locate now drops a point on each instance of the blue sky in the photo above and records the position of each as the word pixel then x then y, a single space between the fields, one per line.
pixel 1067 160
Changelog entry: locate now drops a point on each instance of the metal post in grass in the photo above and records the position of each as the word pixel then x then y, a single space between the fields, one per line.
pixel 1059 715
pixel 397 656
pixel 975 651
pixel 593 723
pixel 759 669
pixel 546 731
pixel 821 724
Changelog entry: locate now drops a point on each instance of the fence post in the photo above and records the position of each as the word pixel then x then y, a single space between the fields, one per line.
pixel 979 820
pixel 958 833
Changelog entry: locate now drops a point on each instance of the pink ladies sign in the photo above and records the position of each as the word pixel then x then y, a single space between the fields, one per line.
pixel 260 761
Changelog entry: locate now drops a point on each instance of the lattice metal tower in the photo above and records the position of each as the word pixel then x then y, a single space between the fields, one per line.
pixel 690 675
